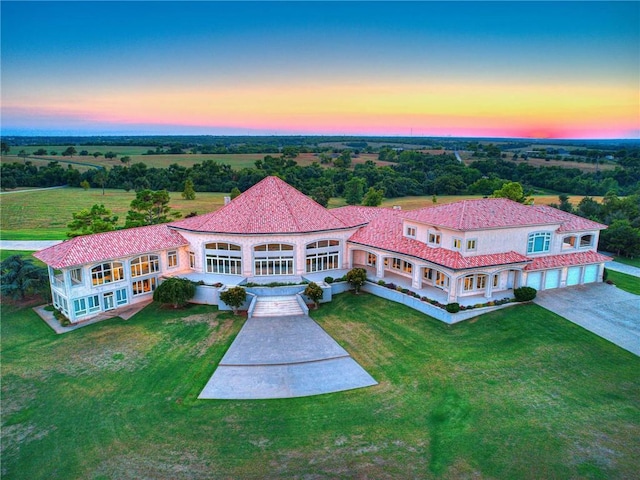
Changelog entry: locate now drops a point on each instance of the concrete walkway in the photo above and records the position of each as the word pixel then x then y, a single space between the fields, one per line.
pixel 603 309
pixel 622 268
pixel 27 245
pixel 284 357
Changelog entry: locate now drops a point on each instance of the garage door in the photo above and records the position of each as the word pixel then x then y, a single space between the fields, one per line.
pixel 590 273
pixel 534 279
pixel 552 279
pixel 573 276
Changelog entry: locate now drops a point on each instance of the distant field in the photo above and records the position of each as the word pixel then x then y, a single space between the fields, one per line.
pixel 539 162
pixel 44 215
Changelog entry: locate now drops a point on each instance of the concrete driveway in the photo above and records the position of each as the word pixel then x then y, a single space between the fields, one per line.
pixel 605 310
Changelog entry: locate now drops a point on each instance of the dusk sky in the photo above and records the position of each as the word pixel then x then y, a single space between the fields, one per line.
pixel 499 69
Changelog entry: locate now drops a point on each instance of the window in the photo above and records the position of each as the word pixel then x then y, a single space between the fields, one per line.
pixel 396 264
pixel 569 242
pixel 471 244
pixel 427 274
pixel 372 259
pixel 192 260
pixel 273 259
pixel 76 276
pixel 496 279
pixel 172 259
pixel 434 238
pixel 474 282
pixel 586 241
pixel 222 246
pixel 121 296
pixel 107 273
pixel 539 242
pixel 144 286
pixel 322 255
pixel 411 232
pixel 224 264
pixel 80 307
pixel 442 280
pixel 457 243
pixel 94 303
pixel 144 265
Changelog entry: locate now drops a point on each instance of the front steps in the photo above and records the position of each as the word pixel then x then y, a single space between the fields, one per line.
pixel 278 306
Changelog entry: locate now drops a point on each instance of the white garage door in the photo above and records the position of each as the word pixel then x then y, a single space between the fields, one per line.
pixel 573 276
pixel 534 279
pixel 590 273
pixel 552 279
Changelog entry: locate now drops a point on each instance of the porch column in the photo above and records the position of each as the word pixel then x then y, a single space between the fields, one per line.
pixel 488 288
pixel 600 272
pixel 379 266
pixel 416 280
pixel 453 289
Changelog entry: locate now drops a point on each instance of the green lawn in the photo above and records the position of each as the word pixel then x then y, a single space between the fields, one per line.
pixel 625 282
pixel 520 393
pixel 634 262
pixel 4 254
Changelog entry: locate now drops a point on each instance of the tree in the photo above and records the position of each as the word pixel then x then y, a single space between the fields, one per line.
pixel 235 191
pixel 23 154
pixel 314 292
pixel 512 191
pixel 97 154
pixel 354 191
pixel 234 297
pixel 97 219
pixel 69 152
pixel 126 159
pixel 149 208
pixel 85 184
pixel 621 238
pixel 373 197
pixel 290 151
pixel 321 195
pixel 188 193
pixel 20 277
pixel 4 148
pixel 110 155
pixel 40 151
pixel 344 160
pixel 356 277
pixel 176 291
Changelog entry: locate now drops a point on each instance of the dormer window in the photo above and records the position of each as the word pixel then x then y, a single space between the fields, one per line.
pixel 569 242
pixel 411 232
pixel 471 245
pixel 434 238
pixel 457 243
pixel 586 240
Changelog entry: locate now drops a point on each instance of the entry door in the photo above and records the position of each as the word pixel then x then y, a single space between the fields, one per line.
pixel 107 300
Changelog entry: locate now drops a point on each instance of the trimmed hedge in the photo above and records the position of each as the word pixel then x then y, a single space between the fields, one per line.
pixel 525 294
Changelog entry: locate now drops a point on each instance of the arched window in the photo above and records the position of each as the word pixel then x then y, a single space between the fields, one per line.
pixel 224 258
pixel 586 240
pixel 569 242
pixel 144 265
pixel 539 242
pixel 273 259
pixel 107 273
pixel 322 255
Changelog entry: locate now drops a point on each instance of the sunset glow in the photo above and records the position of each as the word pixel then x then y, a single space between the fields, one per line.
pixel 312 73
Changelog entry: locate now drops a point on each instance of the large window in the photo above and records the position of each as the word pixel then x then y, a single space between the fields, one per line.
pixel 144 265
pixel 539 242
pixel 172 259
pixel 192 260
pixel 107 273
pixel 84 306
pixel 372 259
pixel 400 265
pixel 474 282
pixel 322 255
pixel 273 259
pixel 442 280
pixel 121 296
pixel 225 258
pixel 141 287
pixel 76 276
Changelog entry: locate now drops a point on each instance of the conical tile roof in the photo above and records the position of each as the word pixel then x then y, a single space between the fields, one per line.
pixel 269 207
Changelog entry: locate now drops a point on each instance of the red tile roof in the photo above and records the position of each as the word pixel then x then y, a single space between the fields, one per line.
pixel 356 214
pixel 567 260
pixel 111 245
pixel 270 206
pixel 385 232
pixel 570 222
pixel 497 213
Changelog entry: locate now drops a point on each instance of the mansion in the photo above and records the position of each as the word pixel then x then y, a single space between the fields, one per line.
pixel 460 251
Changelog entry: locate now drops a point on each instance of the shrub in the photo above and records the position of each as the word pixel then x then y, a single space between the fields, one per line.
pixel 382 283
pixel 453 307
pixel 314 292
pixel 328 279
pixel 234 297
pixel 176 291
pixel 356 277
pixel 605 275
pixel 525 294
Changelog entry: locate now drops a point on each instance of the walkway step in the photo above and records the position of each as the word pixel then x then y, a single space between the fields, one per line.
pixel 277 307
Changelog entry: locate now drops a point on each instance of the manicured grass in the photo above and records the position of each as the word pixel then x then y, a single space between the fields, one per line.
pixel 44 215
pixel 4 254
pixel 629 283
pixel 634 262
pixel 520 393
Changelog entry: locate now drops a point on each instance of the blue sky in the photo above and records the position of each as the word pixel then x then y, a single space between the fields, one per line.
pixel 521 68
